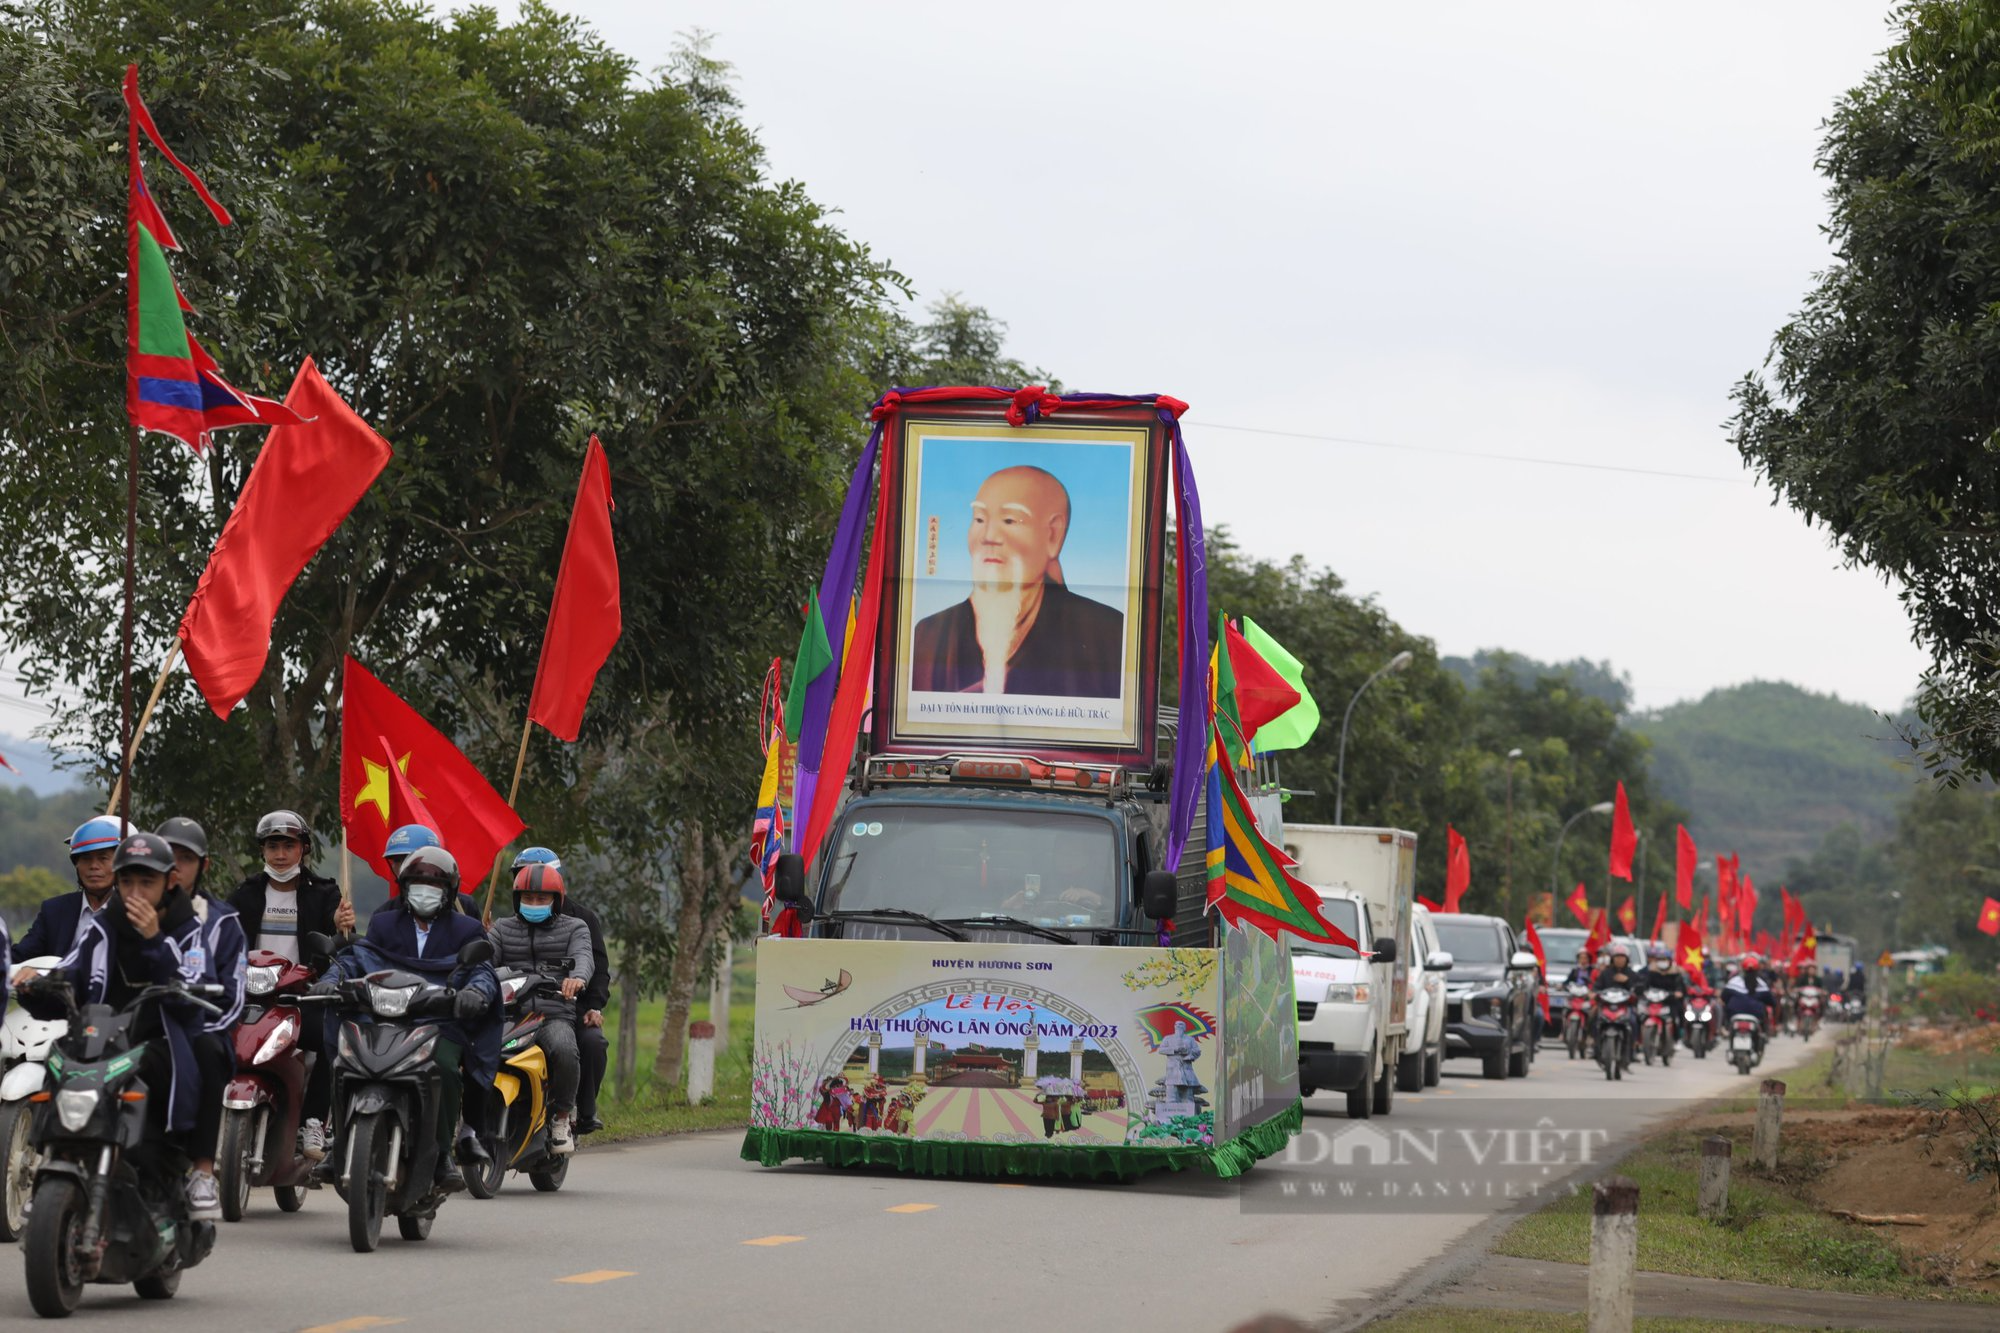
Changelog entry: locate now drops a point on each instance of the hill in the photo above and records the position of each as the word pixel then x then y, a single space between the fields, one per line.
pixel 1768 769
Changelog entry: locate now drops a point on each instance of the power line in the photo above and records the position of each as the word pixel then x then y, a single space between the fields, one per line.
pixel 1470 453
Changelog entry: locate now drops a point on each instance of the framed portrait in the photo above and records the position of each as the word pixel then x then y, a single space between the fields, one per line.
pixel 1023 610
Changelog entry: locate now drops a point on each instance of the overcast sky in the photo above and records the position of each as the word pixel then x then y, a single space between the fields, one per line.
pixel 1546 231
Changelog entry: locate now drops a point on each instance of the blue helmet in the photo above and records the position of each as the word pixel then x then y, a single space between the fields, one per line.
pixel 410 838
pixel 537 856
pixel 102 834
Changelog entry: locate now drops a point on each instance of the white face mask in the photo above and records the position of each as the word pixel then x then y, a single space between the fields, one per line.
pixel 426 900
pixel 278 876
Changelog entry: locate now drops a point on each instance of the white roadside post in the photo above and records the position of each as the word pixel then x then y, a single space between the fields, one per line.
pixel 718 994
pixel 1713 1197
pixel 700 1062
pixel 1614 1253
pixel 1770 1111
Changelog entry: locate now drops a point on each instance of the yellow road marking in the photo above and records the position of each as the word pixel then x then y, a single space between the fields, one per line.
pixel 596 1275
pixel 911 1208
pixel 355 1324
pixel 773 1240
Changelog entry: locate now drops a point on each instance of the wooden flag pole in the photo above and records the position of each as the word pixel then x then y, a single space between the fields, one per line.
pixel 121 791
pixel 513 792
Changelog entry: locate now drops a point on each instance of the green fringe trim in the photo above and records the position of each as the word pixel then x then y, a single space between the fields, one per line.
pixel 773 1147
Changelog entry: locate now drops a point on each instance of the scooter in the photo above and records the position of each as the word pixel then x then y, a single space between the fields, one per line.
pixel 264 1103
pixel 1613 1003
pixel 1811 1004
pixel 1576 1020
pixel 521 1140
pixel 1700 1019
pixel 109 1203
pixel 1746 1042
pixel 1656 1028
pixel 25 1042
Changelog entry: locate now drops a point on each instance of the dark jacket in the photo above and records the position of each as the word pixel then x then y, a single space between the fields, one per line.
pixel 558 948
pixel 392 939
pixel 596 993
pixel 1624 979
pixel 228 956
pixel 319 899
pixel 1075 648
pixel 1741 996
pixel 53 930
pixel 1669 981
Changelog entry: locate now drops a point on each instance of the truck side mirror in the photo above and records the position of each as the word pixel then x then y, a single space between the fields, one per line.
pixel 789 880
pixel 1385 949
pixel 1158 895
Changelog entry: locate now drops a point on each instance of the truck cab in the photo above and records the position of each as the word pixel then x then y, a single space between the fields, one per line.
pixel 1343 1002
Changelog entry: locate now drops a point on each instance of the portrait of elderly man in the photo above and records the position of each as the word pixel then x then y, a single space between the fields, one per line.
pixel 1022 631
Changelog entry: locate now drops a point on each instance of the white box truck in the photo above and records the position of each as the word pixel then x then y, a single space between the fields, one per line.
pixel 1352 1033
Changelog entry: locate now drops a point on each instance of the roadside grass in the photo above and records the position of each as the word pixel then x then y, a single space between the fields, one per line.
pixel 642 1111
pixel 1457 1318
pixel 1770 1234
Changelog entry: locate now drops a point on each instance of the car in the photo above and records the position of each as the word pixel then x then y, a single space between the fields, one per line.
pixel 1344 1003
pixel 1490 1003
pixel 1423 1062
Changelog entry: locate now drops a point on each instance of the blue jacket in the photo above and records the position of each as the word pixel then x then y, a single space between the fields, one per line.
pixel 1740 997
pixel 391 941
pixel 228 954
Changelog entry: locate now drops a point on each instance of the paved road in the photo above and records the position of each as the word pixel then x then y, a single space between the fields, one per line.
pixel 682 1234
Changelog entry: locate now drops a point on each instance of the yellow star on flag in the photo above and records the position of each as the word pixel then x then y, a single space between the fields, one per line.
pixel 375 785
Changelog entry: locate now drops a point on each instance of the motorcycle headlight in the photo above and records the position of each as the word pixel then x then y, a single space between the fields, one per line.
pixel 74 1107
pixel 1341 992
pixel 280 1037
pixel 389 1002
pixel 260 980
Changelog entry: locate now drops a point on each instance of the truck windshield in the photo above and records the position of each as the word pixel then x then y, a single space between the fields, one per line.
pixel 1039 865
pixel 1469 941
pixel 1341 913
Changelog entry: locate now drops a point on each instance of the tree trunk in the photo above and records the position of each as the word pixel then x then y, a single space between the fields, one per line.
pixel 707 902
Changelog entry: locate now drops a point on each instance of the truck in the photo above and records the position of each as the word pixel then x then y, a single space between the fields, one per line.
pixel 1354 1015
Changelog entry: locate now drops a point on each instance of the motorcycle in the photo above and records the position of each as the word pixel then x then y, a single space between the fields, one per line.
pixel 264 1104
pixel 109 1202
pixel 1746 1042
pixel 1576 1020
pixel 1700 1019
pixel 1811 1004
pixel 25 1042
pixel 1656 1027
pixel 521 1140
pixel 1613 1003
pixel 386 1091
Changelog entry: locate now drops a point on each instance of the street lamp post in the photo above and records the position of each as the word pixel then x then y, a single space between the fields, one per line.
pixel 1396 663
pixel 1555 866
pixel 1507 875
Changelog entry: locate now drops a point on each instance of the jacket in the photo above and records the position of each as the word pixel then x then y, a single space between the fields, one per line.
pixel 53 931
pixel 596 992
pixel 1074 648
pixel 558 947
pixel 319 899
pixel 228 958
pixel 391 941
pixel 1741 997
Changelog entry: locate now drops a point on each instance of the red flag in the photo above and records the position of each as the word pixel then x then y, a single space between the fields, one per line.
pixel 1261 693
pixel 471 818
pixel 305 481
pixel 1624 838
pixel 1578 903
pixel 1542 961
pixel 1685 857
pixel 1628 915
pixel 584 619
pixel 405 805
pixel 1688 952
pixel 1792 913
pixel 1600 933
pixel 1457 868
pixel 1725 899
pixel 1435 907
pixel 8 766
pixel 1659 921
pixel 1746 904
pixel 1989 917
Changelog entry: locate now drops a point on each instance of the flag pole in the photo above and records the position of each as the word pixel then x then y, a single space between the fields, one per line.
pixel 346 872
pixel 513 792
pixel 121 791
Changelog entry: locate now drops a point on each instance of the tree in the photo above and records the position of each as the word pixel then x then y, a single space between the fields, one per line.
pixel 1881 416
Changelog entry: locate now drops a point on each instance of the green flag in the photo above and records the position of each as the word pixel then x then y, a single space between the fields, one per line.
pixel 1292 729
pixel 815 656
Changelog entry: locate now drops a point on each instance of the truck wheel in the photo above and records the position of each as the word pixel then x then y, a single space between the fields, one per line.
pixel 1385 1090
pixel 1410 1072
pixel 1493 1064
pixel 1517 1064
pixel 1433 1067
pixel 1359 1101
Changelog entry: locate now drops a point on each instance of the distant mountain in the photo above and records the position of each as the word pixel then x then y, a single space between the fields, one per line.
pixel 1768 769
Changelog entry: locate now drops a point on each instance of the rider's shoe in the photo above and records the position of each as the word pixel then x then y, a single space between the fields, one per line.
pixel 562 1134
pixel 589 1126
pixel 472 1150
pixel 312 1140
pixel 450 1180
pixel 327 1169
pixel 204 1199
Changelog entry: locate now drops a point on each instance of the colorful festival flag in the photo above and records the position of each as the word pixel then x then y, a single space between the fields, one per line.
pixel 1989 917
pixel 1457 868
pixel 1247 884
pixel 1262 694
pixel 1578 903
pixel 1685 859
pixel 1294 727
pixel 1624 838
pixel 584 615
pixel 814 656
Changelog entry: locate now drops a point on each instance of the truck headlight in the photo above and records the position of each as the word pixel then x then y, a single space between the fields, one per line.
pixel 1341 992
pixel 74 1107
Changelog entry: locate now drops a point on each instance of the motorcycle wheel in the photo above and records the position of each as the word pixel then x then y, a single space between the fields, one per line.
pixel 550 1178
pixel 232 1164
pixel 415 1228
pixel 21 1159
pixel 48 1248
pixel 1650 1045
pixel 1573 1039
pixel 291 1198
pixel 367 1188
pixel 483 1182
pixel 159 1285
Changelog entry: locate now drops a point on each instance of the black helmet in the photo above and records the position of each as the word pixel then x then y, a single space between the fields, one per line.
pixel 147 850
pixel 182 832
pixel 281 824
pixel 429 865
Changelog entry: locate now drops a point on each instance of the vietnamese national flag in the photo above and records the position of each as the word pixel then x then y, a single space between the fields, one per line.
pixel 1628 915
pixel 1689 949
pixel 1685 857
pixel 1600 933
pixel 1457 868
pixel 1578 903
pixel 470 817
pixel 305 481
pixel 1659 921
pixel 1541 961
pixel 584 617
pixel 1624 838
pixel 1989 917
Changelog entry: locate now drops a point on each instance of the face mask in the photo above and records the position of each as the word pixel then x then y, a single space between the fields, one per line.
pixel 278 876
pixel 426 900
pixel 536 913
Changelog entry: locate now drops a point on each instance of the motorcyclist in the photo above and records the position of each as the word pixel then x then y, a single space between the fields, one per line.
pixel 1661 975
pixel 60 921
pixel 1748 993
pixel 147 934
pixel 1857 984
pixel 1584 972
pixel 280 905
pixel 540 937
pixel 593 1049
pixel 1619 974
pixel 411 838
pixel 419 932
pixel 226 956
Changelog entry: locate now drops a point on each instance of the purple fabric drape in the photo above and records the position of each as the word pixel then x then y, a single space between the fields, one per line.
pixel 1191 742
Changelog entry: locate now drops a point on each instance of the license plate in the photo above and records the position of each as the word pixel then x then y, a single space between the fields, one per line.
pixel 1742 1041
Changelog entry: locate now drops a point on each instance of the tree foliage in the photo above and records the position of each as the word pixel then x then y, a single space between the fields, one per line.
pixel 1880 418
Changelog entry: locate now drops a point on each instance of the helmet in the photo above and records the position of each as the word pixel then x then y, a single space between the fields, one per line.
pixel 281 824
pixel 147 850
pixel 1619 951
pixel 184 833
pixel 1658 953
pixel 429 865
pixel 537 856
pixel 101 834
pixel 409 838
pixel 1583 955
pixel 539 879
pixel 1752 960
